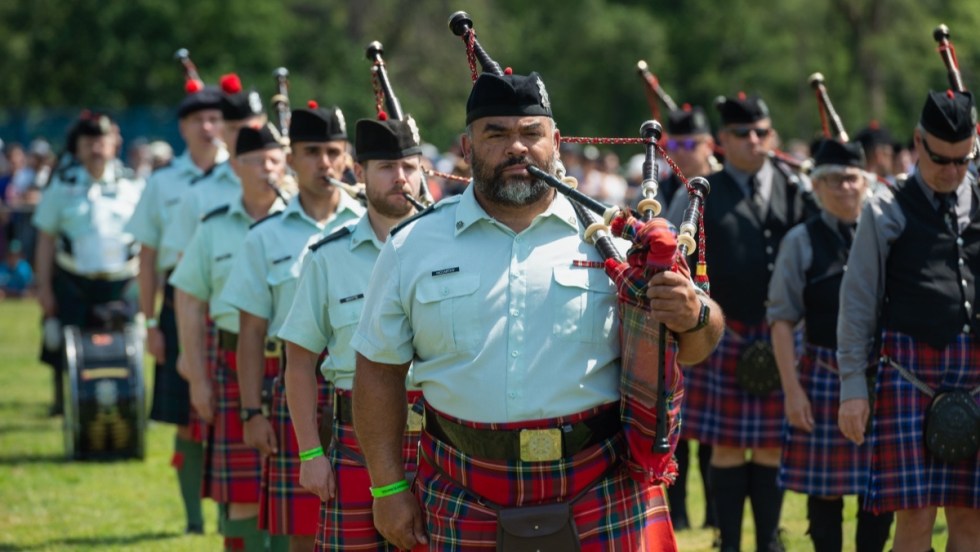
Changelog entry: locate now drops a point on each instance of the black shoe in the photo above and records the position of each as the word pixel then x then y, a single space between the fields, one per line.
pixel 194 529
pixel 680 523
pixel 57 409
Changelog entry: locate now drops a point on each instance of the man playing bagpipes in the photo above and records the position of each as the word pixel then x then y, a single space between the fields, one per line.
pixel 512 327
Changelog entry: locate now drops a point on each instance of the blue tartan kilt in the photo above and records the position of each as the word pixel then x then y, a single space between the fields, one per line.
pixel 904 475
pixel 824 462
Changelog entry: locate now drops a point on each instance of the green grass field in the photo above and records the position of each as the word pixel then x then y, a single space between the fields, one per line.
pixel 49 504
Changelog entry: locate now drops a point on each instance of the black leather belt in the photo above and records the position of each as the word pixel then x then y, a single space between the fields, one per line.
pixel 228 342
pixel 528 445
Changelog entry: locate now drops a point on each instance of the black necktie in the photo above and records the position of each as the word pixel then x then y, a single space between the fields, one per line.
pixel 947 210
pixel 847 230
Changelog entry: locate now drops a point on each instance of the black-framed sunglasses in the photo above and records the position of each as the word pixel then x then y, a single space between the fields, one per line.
pixel 687 144
pixel 943 160
pixel 743 132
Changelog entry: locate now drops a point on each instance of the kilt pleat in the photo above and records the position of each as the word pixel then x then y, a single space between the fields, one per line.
pixel 904 475
pixel 823 462
pixel 285 507
pixel 235 468
pixel 347 522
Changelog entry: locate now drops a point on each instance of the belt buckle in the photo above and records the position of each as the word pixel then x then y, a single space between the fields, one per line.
pixel 540 445
pixel 414 421
pixel 273 348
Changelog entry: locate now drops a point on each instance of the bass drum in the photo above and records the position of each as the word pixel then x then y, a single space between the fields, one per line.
pixel 105 410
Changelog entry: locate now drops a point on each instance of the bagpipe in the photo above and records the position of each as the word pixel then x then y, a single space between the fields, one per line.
pixel 281 103
pixel 385 97
pixel 654 248
pixel 654 92
pixel 948 54
pixel 830 121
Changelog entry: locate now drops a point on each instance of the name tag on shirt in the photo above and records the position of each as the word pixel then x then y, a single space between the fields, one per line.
pixel 352 298
pixel 281 259
pixel 445 271
pixel 224 257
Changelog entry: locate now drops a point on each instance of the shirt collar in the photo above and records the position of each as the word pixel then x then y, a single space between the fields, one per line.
pixel 363 232
pixel 742 178
pixel 962 191
pixel 237 208
pixel 470 211
pixel 184 163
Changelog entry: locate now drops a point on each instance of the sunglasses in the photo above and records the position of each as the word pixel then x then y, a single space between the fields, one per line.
pixel 942 160
pixel 743 132
pixel 687 144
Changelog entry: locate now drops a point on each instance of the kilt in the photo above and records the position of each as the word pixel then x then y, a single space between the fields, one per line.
pixel 732 417
pixel 285 507
pixel 694 401
pixel 171 393
pixel 617 513
pixel 233 470
pixel 904 475
pixel 824 462
pixel 346 522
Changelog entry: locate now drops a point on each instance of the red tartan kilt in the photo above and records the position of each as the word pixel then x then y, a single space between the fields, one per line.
pixel 822 462
pixel 616 513
pixel 904 475
pixel 346 522
pixel 732 417
pixel 236 469
pixel 285 507
pixel 199 428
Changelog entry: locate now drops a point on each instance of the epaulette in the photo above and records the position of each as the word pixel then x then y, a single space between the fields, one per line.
pixel 216 211
pixel 396 228
pixel 265 218
pixel 344 231
pixel 204 175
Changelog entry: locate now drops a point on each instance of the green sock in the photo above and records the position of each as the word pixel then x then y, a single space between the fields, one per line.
pixel 279 543
pixel 189 462
pixel 248 530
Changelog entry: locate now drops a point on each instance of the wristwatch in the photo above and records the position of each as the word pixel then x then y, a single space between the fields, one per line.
pixel 703 316
pixel 247 414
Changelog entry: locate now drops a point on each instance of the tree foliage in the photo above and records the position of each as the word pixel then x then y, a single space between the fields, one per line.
pixel 878 56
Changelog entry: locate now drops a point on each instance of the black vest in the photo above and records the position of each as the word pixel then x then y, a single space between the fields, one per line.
pixel 821 296
pixel 930 289
pixel 742 244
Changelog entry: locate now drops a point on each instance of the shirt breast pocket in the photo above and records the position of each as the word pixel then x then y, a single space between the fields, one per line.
pixel 446 315
pixel 346 314
pixel 586 305
pixel 283 277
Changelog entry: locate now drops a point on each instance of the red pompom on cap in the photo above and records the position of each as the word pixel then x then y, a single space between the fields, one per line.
pixel 231 84
pixel 949 94
pixel 312 104
pixel 686 107
pixel 508 71
pixel 382 116
pixel 741 96
pixel 193 86
pixel 874 125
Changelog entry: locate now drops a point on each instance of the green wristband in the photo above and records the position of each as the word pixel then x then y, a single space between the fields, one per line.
pixel 311 454
pixel 388 490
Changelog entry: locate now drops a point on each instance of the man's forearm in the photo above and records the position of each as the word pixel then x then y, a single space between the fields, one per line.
pixel 301 395
pixel 190 331
pixel 149 281
pixel 251 358
pixel 782 348
pixel 380 411
pixel 696 346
